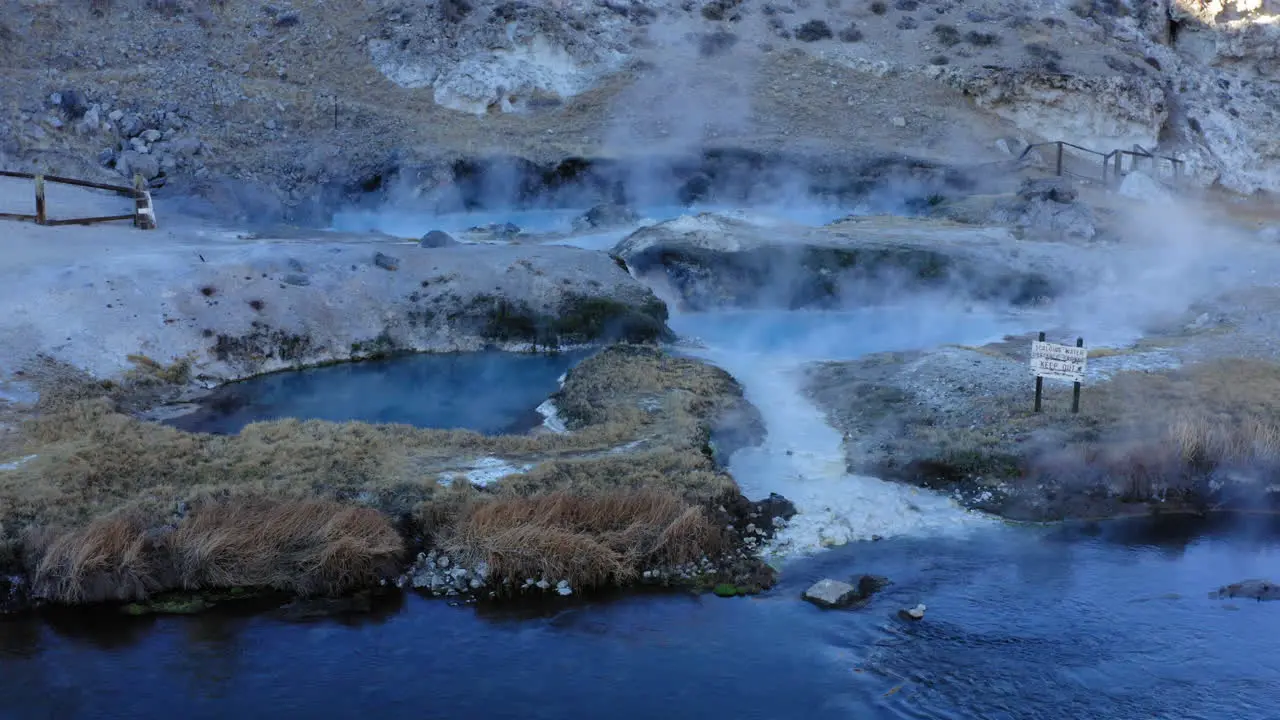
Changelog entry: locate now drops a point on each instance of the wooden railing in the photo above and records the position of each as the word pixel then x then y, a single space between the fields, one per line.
pixel 1111 164
pixel 143 215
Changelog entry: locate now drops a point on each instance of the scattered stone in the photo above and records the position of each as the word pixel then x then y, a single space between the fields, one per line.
pixel 563 588
pixel 1058 190
pixel 151 136
pixel 813 31
pixel 296 279
pixel 72 103
pixel 831 594
pixel 912 614
pixel 899 121
pixel 14 596
pixel 437 239
pixel 386 262
pixel 1256 589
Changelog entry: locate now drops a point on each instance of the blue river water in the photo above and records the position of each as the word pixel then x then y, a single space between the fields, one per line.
pixel 1109 621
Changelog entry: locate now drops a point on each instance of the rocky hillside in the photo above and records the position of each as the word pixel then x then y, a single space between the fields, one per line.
pixel 304 97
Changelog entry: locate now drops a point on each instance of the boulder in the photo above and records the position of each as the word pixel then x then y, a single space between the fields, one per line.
pixel 132 161
pixel 606 215
pixel 831 594
pixel 1141 186
pixel 437 239
pixel 1256 589
pixel 386 262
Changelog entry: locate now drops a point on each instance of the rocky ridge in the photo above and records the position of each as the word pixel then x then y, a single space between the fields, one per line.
pixel 295 101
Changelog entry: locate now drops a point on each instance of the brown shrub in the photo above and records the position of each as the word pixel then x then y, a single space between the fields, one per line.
pixel 589 540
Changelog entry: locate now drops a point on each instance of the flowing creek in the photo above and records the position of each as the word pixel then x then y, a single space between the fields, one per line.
pixel 1094 621
pixel 1102 622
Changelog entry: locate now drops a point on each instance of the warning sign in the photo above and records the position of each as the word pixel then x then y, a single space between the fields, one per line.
pixel 1061 362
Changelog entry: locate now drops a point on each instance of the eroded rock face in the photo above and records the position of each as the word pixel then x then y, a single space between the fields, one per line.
pixel 1103 113
pixel 480 56
pixel 717 261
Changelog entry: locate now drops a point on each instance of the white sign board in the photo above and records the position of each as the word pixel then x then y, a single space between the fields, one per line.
pixel 1061 362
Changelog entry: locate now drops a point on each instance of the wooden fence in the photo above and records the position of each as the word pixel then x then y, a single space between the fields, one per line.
pixel 1111 165
pixel 143 215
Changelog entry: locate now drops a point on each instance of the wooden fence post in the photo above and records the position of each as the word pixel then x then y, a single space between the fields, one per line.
pixel 1059 158
pixel 41 216
pixel 143 216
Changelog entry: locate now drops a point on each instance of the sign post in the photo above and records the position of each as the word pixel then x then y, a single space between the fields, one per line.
pixel 1075 390
pixel 1060 362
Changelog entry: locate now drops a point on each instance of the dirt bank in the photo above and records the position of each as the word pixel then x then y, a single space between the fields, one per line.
pixel 1183 421
pixel 104 507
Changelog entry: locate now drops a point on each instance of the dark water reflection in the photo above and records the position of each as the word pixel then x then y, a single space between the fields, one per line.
pixel 489 392
pixel 1082 622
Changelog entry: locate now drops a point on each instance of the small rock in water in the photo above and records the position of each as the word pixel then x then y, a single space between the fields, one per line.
pixel 605 215
pixel 915 613
pixel 563 588
pixel 1256 589
pixel 386 262
pixel 500 231
pixel 831 594
pixel 437 239
pixel 543 585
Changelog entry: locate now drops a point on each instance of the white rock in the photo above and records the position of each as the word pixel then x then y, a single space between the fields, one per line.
pixel 830 593
pixel 1141 186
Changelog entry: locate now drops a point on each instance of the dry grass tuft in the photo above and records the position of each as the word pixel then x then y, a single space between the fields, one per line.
pixel 149 372
pixel 589 540
pixel 307 547
pixel 111 559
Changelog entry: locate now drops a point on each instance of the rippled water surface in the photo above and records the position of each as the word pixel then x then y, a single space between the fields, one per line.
pixel 1108 622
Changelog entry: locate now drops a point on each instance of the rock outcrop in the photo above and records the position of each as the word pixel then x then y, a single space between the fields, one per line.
pixel 505 57
pixel 244 308
pixel 715 261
